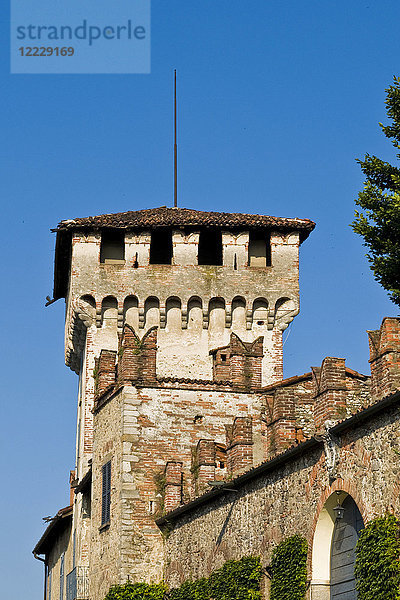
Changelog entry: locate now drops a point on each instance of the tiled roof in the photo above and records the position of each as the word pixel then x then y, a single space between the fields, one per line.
pixel 164 216
pixel 57 524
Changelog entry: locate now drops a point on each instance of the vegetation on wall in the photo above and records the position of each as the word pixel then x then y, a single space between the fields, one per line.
pixel 289 569
pixel 236 580
pixel 137 591
pixel 377 568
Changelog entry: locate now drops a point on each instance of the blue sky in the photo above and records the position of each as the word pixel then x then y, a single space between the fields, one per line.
pixel 276 100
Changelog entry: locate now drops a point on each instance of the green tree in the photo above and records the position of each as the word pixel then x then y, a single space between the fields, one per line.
pixel 379 221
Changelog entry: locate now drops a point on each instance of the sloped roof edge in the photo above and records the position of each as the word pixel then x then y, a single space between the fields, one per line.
pixel 62 517
pixel 164 216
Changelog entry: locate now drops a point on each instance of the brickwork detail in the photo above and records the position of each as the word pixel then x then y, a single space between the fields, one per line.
pixel 239 362
pixel 137 357
pixel 173 485
pixel 384 347
pixel 105 366
pixel 330 391
pixel 239 445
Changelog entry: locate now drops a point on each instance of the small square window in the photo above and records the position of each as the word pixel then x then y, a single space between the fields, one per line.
pixel 112 248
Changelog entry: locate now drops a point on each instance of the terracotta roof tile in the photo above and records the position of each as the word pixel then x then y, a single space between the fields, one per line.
pixel 164 217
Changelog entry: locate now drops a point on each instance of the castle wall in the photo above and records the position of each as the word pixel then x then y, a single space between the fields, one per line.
pixel 141 430
pixel 286 500
pixel 105 549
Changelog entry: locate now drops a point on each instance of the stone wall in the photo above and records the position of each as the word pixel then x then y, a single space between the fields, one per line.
pixel 150 435
pixel 105 546
pixel 285 497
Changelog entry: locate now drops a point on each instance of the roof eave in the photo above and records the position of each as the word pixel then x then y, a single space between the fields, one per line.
pixel 63 514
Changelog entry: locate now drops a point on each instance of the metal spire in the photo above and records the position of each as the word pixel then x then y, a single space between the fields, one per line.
pixel 175 149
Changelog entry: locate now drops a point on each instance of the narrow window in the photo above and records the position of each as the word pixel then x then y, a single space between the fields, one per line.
pixel 62 576
pixel 112 248
pixel 161 247
pixel 86 506
pixel 106 493
pixel 223 357
pixel 210 248
pixel 259 249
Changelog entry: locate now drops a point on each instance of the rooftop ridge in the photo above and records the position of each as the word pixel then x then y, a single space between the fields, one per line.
pixel 164 216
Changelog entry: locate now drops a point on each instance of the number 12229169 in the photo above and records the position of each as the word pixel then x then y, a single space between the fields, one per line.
pixel 46 51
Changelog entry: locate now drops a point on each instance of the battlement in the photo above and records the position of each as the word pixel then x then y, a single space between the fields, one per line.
pixel 239 362
pixel 135 363
pixel 384 347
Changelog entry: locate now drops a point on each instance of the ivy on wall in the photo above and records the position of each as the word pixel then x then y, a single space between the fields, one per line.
pixel 191 590
pixel 289 569
pixel 377 568
pixel 236 580
pixel 137 591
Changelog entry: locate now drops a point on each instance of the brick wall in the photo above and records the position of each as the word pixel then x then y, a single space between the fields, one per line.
pixel 239 362
pixel 384 346
pixel 239 444
pixel 330 391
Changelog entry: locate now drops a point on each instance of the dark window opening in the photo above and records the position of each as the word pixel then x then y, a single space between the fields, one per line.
pixel 223 357
pixel 161 247
pixel 106 493
pixel 210 248
pixel 222 465
pixel 259 249
pixel 112 248
pixel 86 505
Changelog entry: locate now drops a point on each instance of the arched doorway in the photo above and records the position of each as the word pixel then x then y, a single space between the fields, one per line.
pixel 345 535
pixel 333 549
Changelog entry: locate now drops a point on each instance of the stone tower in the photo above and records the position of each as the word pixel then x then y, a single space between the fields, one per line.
pixel 174 320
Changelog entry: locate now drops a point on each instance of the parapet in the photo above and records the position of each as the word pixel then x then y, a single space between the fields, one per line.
pixel 384 348
pixel 239 362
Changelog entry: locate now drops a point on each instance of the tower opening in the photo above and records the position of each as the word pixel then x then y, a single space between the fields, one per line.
pixel 112 247
pixel 259 249
pixel 161 247
pixel 210 248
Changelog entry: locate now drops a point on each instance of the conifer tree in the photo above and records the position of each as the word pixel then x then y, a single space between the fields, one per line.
pixel 379 221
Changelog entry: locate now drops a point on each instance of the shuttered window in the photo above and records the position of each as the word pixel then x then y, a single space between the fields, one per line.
pixel 106 493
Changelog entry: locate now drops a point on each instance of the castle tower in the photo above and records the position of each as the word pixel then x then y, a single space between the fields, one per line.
pixel 196 289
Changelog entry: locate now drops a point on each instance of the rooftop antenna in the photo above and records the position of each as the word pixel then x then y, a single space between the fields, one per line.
pixel 175 149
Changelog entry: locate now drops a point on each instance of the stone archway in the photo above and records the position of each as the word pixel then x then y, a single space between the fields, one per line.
pixel 333 550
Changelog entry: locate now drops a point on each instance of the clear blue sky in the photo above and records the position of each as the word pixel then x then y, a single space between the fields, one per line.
pixel 277 99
